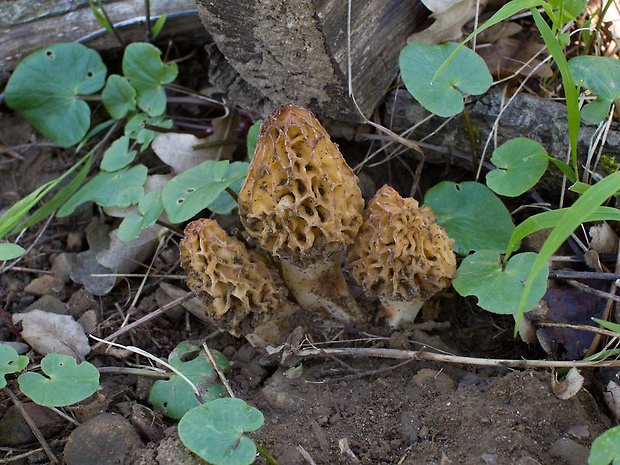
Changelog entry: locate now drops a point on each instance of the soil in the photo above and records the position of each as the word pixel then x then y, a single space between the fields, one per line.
pixel 322 410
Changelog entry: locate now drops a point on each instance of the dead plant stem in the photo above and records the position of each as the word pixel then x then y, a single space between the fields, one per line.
pixel 456 359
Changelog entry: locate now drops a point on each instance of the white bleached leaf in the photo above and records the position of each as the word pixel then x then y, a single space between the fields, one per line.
pixel 569 386
pixel 178 150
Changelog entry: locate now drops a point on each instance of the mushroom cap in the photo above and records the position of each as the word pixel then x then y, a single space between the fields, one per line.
pixel 400 252
pixel 300 200
pixel 234 282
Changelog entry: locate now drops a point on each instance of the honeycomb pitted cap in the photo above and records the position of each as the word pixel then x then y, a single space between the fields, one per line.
pixel 234 282
pixel 300 200
pixel 401 253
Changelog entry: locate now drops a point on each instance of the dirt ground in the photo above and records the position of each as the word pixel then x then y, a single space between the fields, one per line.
pixel 325 410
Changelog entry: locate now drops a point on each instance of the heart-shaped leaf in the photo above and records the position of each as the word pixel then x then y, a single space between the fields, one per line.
pixel 599 74
pixel 174 397
pixel 66 382
pixel 215 431
pixel 118 155
pixel 10 362
pixel 499 290
pixel 46 85
pixel 119 97
pixel 520 162
pixel 146 72
pixel 472 215
pixel 606 448
pixel 118 189
pixel 467 73
pixel 197 188
pixel 136 128
pixel 150 208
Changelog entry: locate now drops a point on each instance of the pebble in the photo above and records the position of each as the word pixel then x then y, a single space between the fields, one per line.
pixel 62 265
pixel 47 303
pixel 570 451
pixel 46 285
pixel 102 440
pixel 80 302
pixel 436 380
pixel 14 431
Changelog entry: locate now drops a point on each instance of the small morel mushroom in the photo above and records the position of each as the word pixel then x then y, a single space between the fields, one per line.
pixel 301 202
pixel 401 255
pixel 243 291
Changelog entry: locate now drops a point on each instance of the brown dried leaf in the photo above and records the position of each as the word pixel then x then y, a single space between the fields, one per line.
pixel 53 333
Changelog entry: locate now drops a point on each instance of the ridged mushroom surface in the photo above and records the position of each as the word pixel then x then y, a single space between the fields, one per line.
pixel 401 254
pixel 300 199
pixel 236 284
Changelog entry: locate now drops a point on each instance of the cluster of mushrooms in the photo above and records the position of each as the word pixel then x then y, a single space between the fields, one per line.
pixel 302 205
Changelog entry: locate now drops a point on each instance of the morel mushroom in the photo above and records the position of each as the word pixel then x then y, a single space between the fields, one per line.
pixel 243 291
pixel 301 202
pixel 401 255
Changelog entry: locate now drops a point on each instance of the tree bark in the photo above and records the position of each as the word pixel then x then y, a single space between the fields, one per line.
pixel 297 50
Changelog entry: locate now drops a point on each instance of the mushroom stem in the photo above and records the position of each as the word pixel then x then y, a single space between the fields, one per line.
pixel 321 286
pixel 400 311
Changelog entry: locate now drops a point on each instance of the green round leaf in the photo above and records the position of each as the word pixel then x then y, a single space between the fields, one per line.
pixel 599 74
pixel 215 431
pixel 146 72
pixel 596 111
pixel 197 188
pixel 10 251
pixel 151 208
pixel 225 204
pixel 520 162
pixel 45 87
pixel 467 73
pixel 499 290
pixel 10 362
pixel 136 130
pixel 119 97
pixel 472 215
pixel 66 382
pixel 118 189
pixel 118 155
pixel 174 397
pixel 606 448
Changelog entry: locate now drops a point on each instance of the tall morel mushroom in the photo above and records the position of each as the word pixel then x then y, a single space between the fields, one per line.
pixel 401 255
pixel 243 292
pixel 301 202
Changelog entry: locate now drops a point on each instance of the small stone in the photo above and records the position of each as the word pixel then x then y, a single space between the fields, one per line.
pixel 48 303
pixel 62 265
pixel 570 451
pixel 171 450
pixel 102 440
pixel 89 321
pixel 46 285
pixel 14 431
pixel 80 302
pixel 436 380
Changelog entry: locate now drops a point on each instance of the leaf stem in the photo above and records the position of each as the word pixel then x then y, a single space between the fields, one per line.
pixel 472 140
pixel 262 451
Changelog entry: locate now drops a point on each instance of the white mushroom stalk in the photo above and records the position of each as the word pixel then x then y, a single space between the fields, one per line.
pixel 243 292
pixel 301 202
pixel 401 255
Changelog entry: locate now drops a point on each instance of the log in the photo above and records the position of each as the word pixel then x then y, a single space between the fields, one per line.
pixel 528 115
pixel 297 50
pixel 27 26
